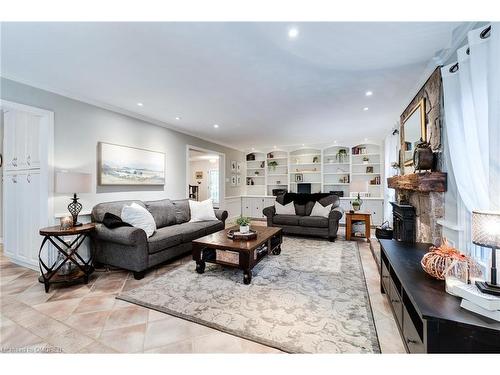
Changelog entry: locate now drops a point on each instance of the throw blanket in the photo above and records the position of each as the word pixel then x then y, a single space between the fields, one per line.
pixel 301 198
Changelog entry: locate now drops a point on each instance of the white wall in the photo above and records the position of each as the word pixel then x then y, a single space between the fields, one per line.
pixel 1 172
pixel 80 126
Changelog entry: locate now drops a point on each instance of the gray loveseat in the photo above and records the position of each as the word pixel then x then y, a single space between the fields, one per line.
pixel 129 248
pixel 303 224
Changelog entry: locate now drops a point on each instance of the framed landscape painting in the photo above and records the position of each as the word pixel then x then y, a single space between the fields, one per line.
pixel 123 165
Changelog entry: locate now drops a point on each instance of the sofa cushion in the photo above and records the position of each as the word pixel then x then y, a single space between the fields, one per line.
pixel 300 209
pixel 192 231
pixel 313 221
pixel 288 209
pixel 320 210
pixel 163 212
pixel 286 219
pixel 309 207
pixel 164 238
pixel 139 217
pixel 182 213
pixel 115 208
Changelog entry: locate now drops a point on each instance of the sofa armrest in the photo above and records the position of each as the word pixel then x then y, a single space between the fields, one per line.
pixel 221 215
pixel 128 236
pixel 269 212
pixel 336 214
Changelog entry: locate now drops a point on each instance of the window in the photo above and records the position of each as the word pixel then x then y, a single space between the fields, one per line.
pixel 213 185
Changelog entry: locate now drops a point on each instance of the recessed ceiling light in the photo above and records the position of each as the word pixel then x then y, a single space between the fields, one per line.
pixel 178 118
pixel 253 148
pixel 366 139
pixel 303 145
pixel 369 93
pixel 293 33
pixel 216 126
pixel 365 109
pixel 274 146
pixel 140 104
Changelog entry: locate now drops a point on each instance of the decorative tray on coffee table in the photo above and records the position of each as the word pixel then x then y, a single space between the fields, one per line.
pixel 237 235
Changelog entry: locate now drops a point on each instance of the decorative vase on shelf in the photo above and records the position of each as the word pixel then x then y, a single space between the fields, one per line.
pixel 356 203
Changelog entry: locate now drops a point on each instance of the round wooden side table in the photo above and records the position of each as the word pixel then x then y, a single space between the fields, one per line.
pixel 83 269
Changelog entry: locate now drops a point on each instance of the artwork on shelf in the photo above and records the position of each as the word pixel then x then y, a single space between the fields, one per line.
pixel 124 165
pixel 238 167
pixel 234 166
pixel 369 169
pixel 199 175
pixel 238 180
pixel 262 164
pixel 233 180
pixel 250 181
pixel 299 177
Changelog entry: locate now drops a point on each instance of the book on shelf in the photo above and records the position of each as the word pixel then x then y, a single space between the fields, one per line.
pixel 471 306
pixel 471 293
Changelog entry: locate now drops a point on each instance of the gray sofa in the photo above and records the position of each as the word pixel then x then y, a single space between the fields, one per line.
pixel 303 224
pixel 129 248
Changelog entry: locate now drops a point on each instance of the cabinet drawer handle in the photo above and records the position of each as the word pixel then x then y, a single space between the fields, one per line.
pixel 14 162
pixel 411 341
pixel 28 178
pixel 14 179
pixel 394 300
pixel 28 160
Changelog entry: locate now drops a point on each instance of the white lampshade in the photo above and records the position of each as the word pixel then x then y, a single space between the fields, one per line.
pixel 486 229
pixel 359 186
pixel 73 182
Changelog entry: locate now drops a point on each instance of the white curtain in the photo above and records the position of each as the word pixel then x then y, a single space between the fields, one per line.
pixel 391 149
pixel 471 118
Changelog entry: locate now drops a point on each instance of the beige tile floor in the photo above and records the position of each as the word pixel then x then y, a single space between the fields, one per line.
pixel 88 318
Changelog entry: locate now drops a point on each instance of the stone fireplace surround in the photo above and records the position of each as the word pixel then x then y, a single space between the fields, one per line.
pixel 429 205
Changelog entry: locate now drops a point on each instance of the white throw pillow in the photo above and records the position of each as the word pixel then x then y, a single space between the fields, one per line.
pixel 320 210
pixel 288 209
pixel 202 211
pixel 139 217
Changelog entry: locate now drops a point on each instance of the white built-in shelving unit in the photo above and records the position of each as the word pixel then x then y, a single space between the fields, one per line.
pixel 277 174
pixel 255 178
pixel 305 167
pixel 358 168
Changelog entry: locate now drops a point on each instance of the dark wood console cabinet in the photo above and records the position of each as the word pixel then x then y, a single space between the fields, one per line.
pixel 429 319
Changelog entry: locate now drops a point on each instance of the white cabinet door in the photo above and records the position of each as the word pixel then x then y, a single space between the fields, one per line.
pixel 9 145
pixel 376 208
pixel 11 214
pixel 246 209
pixel 257 207
pixel 346 206
pixel 32 217
pixel 33 125
pixel 21 136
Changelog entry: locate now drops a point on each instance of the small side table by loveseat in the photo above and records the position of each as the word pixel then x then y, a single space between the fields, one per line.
pixel 83 269
pixel 357 216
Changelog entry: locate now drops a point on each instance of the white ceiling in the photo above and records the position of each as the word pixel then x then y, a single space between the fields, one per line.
pixel 262 88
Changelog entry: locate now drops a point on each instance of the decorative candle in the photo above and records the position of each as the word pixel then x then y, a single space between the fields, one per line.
pixel 66 222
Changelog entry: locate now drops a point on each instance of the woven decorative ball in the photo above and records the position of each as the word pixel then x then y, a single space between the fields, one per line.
pixel 445 260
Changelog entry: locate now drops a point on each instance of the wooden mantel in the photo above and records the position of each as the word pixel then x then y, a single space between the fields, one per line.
pixel 420 182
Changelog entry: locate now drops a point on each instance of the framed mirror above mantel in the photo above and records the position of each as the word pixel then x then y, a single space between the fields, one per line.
pixel 413 131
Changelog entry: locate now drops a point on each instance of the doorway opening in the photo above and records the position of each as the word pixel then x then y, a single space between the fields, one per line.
pixel 204 175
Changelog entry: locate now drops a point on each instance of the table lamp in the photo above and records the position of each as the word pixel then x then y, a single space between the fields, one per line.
pixel 356 187
pixel 486 233
pixel 72 183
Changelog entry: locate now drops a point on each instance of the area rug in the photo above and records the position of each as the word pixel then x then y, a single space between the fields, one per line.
pixel 312 298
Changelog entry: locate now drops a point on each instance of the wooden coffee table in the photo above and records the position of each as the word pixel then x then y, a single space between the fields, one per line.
pixel 217 248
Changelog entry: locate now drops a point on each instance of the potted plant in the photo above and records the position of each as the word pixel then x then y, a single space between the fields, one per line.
pixel 244 223
pixel 356 203
pixel 341 155
pixel 272 164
